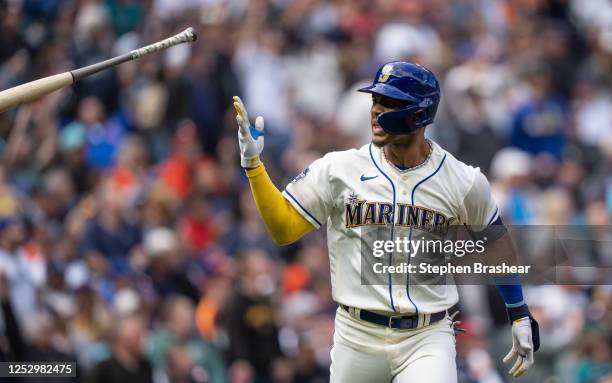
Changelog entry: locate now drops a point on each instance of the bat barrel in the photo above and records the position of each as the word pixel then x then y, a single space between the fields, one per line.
pixel 30 91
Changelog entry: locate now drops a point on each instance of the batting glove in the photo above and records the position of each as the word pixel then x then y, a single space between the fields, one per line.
pixel 525 340
pixel 250 138
pixel 521 346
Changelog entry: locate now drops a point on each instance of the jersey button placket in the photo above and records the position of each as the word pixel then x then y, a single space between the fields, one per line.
pixel 398 299
pixel 402 184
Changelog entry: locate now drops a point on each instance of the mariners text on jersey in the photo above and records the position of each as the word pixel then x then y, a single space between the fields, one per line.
pixel 362 212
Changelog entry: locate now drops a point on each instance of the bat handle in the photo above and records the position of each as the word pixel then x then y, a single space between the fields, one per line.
pixel 80 73
pixel 188 35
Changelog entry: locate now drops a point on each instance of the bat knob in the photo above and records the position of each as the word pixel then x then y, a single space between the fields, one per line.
pixel 191 35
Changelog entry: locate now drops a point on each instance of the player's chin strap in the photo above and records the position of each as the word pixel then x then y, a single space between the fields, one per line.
pixel 455 323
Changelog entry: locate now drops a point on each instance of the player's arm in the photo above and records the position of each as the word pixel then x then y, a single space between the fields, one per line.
pixel 484 216
pixel 284 223
pixel 525 329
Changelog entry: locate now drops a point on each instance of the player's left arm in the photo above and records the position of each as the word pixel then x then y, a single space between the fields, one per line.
pixel 483 220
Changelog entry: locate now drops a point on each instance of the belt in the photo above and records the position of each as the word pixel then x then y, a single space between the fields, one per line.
pixel 402 322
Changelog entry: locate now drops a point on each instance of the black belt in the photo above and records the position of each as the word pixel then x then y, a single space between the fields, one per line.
pixel 396 321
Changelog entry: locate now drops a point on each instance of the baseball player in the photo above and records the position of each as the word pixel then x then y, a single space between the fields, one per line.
pixel 388 332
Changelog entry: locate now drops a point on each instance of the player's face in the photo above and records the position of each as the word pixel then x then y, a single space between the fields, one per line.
pixel 382 104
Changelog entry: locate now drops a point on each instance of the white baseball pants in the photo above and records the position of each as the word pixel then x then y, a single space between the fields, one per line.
pixel 367 353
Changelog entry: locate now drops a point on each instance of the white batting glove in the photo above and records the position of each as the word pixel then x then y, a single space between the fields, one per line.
pixel 522 347
pixel 250 138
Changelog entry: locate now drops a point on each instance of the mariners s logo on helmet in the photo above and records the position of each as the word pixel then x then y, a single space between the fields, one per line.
pixel 385 72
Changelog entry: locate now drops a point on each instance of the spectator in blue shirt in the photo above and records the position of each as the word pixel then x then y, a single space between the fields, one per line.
pixel 539 126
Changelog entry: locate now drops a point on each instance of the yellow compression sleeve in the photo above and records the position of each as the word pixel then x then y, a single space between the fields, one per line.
pixel 284 222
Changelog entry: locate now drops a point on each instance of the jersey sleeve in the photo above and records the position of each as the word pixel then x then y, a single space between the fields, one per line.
pixel 310 192
pixel 480 208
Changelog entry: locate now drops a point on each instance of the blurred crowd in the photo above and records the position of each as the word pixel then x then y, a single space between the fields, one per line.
pixel 129 241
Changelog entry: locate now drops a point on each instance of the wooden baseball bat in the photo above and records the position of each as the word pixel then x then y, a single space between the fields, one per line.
pixel 32 90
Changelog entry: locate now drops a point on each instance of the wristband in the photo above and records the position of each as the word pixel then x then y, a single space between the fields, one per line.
pixel 515 313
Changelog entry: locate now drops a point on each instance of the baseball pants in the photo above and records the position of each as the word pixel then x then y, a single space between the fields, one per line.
pixel 367 353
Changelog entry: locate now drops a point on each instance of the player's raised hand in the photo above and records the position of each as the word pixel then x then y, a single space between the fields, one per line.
pixel 522 347
pixel 250 138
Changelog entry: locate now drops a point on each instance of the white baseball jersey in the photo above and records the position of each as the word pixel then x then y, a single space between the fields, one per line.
pixel 356 191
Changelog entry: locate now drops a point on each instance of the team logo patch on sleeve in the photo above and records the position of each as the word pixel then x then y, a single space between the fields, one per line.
pixel 353 200
pixel 301 175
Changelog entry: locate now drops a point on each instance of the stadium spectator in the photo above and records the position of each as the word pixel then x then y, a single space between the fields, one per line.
pixel 127 363
pixel 250 317
pixel 176 335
